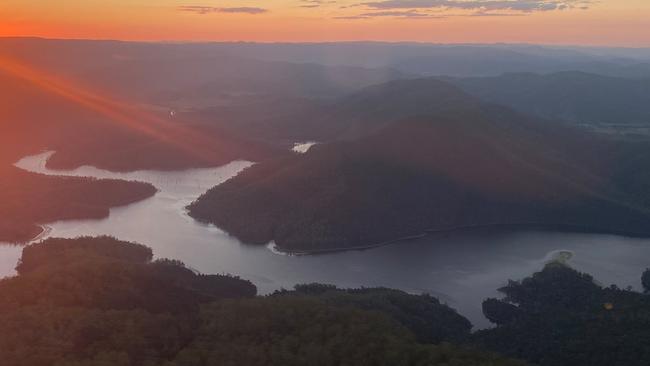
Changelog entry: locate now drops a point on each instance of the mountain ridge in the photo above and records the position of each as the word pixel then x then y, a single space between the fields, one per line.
pixel 463 164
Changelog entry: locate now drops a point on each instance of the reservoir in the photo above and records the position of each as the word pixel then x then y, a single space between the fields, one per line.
pixel 461 268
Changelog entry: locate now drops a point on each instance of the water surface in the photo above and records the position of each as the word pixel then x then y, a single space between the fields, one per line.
pixel 461 268
pixel 303 147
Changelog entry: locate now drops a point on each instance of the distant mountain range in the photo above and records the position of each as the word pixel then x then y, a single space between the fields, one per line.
pixel 312 68
pixel 186 74
pixel 572 96
pixel 431 158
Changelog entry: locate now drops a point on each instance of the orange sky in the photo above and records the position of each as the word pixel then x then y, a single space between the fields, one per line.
pixel 586 22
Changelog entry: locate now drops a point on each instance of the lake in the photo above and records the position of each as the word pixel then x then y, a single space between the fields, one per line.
pixel 461 268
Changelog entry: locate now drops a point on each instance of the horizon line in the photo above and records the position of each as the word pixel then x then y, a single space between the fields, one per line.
pixel 403 42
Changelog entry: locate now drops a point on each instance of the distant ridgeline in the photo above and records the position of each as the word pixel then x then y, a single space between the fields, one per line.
pixel 100 301
pixel 576 97
pixel 413 156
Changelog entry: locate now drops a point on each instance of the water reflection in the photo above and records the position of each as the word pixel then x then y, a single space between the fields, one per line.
pixel 462 268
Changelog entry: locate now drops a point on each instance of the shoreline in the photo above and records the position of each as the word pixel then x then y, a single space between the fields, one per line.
pixel 271 245
pixel 561 228
pixel 45 231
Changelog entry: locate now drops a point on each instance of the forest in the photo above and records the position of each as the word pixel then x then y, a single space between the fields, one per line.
pixel 433 159
pixel 101 301
pixel 30 200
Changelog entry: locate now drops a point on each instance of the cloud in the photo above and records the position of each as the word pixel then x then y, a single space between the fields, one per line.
pixel 351 17
pixel 424 9
pixel 399 14
pixel 197 9
pixel 493 14
pixel 315 3
pixel 525 6
pixel 410 14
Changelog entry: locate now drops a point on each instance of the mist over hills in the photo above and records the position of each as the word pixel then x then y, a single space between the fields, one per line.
pixel 165 72
pixel 102 130
pixel 455 60
pixel 572 96
pixel 308 68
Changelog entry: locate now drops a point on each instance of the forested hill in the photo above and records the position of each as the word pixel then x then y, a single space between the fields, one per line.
pixel 433 158
pixel 31 120
pixel 34 118
pixel 576 97
pixel 99 301
pixel 560 317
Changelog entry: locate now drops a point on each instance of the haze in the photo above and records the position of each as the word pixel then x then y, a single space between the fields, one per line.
pixel 575 22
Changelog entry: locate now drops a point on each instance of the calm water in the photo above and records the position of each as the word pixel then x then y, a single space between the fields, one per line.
pixel 461 268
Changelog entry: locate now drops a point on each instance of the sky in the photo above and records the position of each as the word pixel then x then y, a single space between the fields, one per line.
pixel 570 22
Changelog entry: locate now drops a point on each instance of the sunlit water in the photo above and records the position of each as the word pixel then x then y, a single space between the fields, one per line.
pixel 303 147
pixel 461 268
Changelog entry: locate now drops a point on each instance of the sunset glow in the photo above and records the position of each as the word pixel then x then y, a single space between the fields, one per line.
pixel 586 22
pixel 137 120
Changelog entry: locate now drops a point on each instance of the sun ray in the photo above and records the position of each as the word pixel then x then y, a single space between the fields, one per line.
pixel 136 119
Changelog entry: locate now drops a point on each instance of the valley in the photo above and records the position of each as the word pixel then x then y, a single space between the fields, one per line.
pixel 461 267
pixel 253 181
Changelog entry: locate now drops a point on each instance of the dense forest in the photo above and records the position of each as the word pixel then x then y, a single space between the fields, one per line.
pixel 432 159
pixel 560 317
pixel 28 200
pixel 100 301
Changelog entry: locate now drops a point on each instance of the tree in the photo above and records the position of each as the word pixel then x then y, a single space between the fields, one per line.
pixel 499 312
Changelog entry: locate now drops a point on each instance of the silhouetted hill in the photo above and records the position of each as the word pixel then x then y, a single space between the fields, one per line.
pixel 198 79
pixel 572 96
pixel 438 160
pixel 356 114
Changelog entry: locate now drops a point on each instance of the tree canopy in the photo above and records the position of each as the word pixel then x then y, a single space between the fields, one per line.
pixel 100 301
